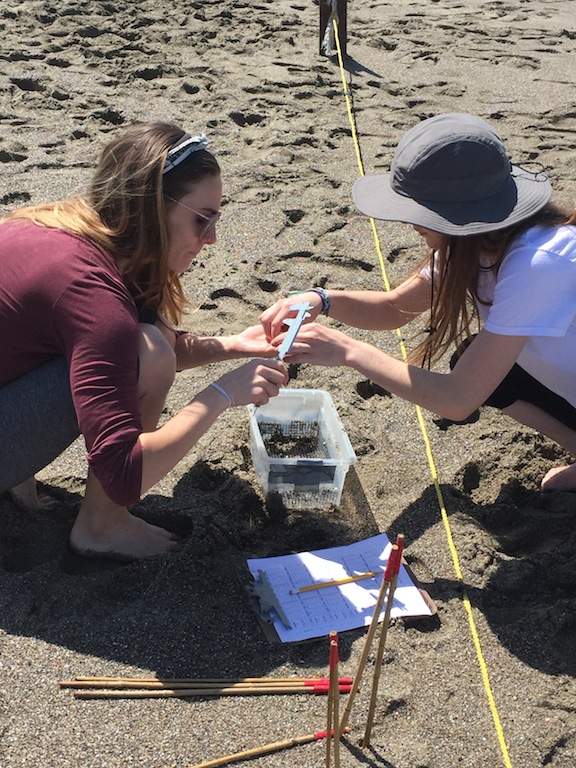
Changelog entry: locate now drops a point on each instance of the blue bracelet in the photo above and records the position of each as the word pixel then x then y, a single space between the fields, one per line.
pixel 323 293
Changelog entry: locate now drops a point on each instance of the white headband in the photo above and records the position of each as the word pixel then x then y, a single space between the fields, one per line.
pixel 185 147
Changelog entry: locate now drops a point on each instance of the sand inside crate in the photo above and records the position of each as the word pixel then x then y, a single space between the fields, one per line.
pixel 293 439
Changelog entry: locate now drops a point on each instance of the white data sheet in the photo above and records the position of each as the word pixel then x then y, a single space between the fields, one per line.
pixel 316 612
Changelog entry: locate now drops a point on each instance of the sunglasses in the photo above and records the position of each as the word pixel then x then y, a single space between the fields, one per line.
pixel 210 221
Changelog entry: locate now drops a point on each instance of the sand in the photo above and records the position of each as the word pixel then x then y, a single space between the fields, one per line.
pixel 73 73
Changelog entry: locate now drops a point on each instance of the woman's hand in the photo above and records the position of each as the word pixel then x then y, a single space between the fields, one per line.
pixel 252 342
pixel 254 382
pixel 193 351
pixel 273 318
pixel 318 345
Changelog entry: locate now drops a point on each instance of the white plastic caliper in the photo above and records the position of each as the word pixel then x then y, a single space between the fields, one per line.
pixel 294 324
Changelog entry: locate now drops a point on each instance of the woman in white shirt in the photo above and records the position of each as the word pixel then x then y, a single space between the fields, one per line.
pixel 502 256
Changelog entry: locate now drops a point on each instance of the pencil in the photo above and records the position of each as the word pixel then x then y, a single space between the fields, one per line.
pixel 334 582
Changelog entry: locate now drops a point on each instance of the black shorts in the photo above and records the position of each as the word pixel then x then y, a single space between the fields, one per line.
pixel 520 385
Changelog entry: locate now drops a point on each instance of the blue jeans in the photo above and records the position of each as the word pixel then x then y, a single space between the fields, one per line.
pixel 37 422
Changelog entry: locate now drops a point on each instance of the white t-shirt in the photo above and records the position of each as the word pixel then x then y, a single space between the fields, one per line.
pixel 534 295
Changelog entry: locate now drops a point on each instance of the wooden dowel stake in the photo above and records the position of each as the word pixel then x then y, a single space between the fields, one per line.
pixel 264 750
pixel 84 682
pixel 368 641
pixel 333 703
pixel 166 693
pixel 382 645
pixel 174 684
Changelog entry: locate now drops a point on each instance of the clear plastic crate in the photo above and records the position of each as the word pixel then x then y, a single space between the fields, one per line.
pixel 300 449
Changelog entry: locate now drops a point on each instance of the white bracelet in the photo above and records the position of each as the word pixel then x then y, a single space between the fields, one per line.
pixel 222 392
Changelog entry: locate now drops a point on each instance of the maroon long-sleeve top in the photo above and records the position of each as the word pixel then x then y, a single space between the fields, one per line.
pixel 62 295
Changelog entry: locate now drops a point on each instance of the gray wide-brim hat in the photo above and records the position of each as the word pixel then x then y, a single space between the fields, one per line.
pixel 451 174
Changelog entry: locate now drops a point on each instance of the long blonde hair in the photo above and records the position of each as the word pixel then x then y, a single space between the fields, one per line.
pixel 124 210
pixel 455 269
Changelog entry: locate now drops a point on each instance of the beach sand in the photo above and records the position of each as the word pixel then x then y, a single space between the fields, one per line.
pixel 74 73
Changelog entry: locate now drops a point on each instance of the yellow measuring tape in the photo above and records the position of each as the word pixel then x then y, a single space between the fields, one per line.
pixel 433 472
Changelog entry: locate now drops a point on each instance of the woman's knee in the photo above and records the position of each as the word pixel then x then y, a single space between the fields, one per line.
pixel 157 361
pixel 38 421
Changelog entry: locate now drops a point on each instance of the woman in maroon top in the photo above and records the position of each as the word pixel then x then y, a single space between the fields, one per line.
pixel 89 299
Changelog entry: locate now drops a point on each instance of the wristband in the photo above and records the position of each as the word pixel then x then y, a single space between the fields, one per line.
pixel 323 293
pixel 222 392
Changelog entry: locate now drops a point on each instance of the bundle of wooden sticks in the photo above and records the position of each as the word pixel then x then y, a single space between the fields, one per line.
pixel 143 688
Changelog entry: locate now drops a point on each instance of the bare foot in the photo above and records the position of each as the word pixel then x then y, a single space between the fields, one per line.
pixel 118 534
pixel 25 496
pixel 560 479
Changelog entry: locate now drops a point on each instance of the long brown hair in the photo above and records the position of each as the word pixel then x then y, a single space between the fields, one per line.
pixel 455 268
pixel 124 210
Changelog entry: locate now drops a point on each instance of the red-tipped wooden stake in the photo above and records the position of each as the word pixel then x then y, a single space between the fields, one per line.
pixel 333 703
pixel 266 749
pixel 192 682
pixel 234 690
pixel 369 637
pixel 382 642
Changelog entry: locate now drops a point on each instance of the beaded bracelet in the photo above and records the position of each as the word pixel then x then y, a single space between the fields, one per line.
pixel 323 293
